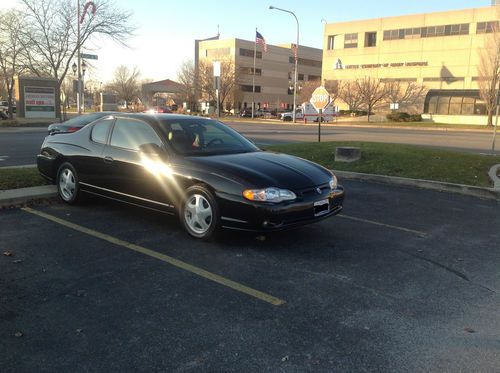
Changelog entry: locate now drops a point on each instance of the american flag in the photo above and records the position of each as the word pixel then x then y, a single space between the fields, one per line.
pixel 259 39
pixel 294 50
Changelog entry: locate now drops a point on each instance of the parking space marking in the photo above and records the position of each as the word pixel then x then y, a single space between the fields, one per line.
pixel 413 231
pixel 165 258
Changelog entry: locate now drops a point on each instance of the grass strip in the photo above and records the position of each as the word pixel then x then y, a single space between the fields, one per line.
pixel 415 162
pixel 13 178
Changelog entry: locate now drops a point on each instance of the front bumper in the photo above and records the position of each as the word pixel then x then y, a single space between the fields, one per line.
pixel 268 217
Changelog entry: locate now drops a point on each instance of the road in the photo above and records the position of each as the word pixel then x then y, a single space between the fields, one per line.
pixel 20 146
pixel 404 280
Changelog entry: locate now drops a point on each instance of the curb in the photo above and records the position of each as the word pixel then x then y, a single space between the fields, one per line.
pixel 467 190
pixel 19 196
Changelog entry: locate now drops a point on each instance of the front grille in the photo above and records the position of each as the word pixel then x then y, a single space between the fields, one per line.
pixel 313 191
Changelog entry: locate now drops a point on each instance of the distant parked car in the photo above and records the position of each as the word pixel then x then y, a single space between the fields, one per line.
pixel 4 106
pixel 247 113
pixel 77 123
pixel 159 110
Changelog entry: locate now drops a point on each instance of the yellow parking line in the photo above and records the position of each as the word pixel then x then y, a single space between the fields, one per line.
pixel 418 233
pixel 165 258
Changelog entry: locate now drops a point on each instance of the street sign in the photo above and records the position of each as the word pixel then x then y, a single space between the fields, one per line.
pixel 88 56
pixel 320 98
pixel 216 68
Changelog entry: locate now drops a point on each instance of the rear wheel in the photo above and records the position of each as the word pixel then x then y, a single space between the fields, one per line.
pixel 67 183
pixel 199 212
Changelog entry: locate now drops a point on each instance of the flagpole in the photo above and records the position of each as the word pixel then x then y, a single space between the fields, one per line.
pixel 253 77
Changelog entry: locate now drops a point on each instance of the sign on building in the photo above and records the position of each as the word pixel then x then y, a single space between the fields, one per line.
pixel 39 102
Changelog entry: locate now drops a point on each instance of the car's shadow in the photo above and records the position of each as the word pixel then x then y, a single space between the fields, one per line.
pixel 228 239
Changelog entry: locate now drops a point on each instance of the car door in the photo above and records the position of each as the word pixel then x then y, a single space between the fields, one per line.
pixel 136 164
pixel 90 164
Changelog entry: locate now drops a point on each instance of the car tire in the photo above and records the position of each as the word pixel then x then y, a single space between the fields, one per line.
pixel 199 213
pixel 67 182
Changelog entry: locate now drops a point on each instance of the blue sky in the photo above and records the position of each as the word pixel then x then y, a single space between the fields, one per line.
pixel 166 29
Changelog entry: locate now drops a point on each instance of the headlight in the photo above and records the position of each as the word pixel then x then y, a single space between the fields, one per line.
pixel 269 195
pixel 333 182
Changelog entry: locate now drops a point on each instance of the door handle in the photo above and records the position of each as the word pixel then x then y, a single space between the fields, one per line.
pixel 108 159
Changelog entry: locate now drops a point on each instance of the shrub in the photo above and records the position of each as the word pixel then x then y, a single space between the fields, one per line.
pixel 398 117
pixel 415 118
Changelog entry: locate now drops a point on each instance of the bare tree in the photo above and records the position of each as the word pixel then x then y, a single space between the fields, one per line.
pixel 349 93
pixel 186 78
pixel 406 94
pixel 11 47
pixel 333 88
pixel 51 32
pixel 489 72
pixel 228 84
pixel 372 92
pixel 126 84
pixel 307 90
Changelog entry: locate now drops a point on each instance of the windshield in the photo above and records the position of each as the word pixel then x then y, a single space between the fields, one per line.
pixel 196 136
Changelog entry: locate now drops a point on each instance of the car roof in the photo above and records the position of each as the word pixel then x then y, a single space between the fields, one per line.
pixel 159 117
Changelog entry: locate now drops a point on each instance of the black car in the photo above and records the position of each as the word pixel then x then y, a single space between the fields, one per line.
pixel 77 123
pixel 198 168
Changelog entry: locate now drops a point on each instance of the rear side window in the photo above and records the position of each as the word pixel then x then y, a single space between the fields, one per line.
pixel 132 134
pixel 100 131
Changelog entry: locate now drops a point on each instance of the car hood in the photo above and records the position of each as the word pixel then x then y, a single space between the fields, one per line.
pixel 265 169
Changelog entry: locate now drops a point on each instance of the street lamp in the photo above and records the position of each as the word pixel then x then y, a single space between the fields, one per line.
pixel 296 59
pixel 84 68
pixel 74 67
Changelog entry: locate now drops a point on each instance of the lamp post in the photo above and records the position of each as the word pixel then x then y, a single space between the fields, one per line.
pixel 296 60
pixel 74 67
pixel 84 68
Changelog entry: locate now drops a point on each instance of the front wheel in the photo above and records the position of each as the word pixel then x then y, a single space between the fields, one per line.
pixel 199 212
pixel 67 183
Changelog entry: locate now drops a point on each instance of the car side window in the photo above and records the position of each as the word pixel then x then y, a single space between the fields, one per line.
pixel 132 134
pixel 100 131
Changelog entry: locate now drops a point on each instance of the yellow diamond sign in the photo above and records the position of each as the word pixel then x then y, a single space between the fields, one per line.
pixel 320 98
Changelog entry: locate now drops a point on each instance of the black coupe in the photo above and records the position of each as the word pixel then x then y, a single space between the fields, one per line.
pixel 201 169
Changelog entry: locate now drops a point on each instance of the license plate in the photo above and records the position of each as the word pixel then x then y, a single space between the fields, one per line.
pixel 321 207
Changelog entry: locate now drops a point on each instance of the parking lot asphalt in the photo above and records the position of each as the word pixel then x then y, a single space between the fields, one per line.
pixel 403 280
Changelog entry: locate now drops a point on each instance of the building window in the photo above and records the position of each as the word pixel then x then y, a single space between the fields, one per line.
pixel 249 53
pixel 433 105
pixel 443 105
pixel 331 42
pixel 217 52
pixel 300 77
pixel 455 106
pixel 428 32
pixel 486 27
pixel 370 39
pixel 249 71
pixel 458 102
pixel 480 107
pixel 305 62
pixel 313 77
pixel 468 106
pixel 351 40
pixel 249 88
